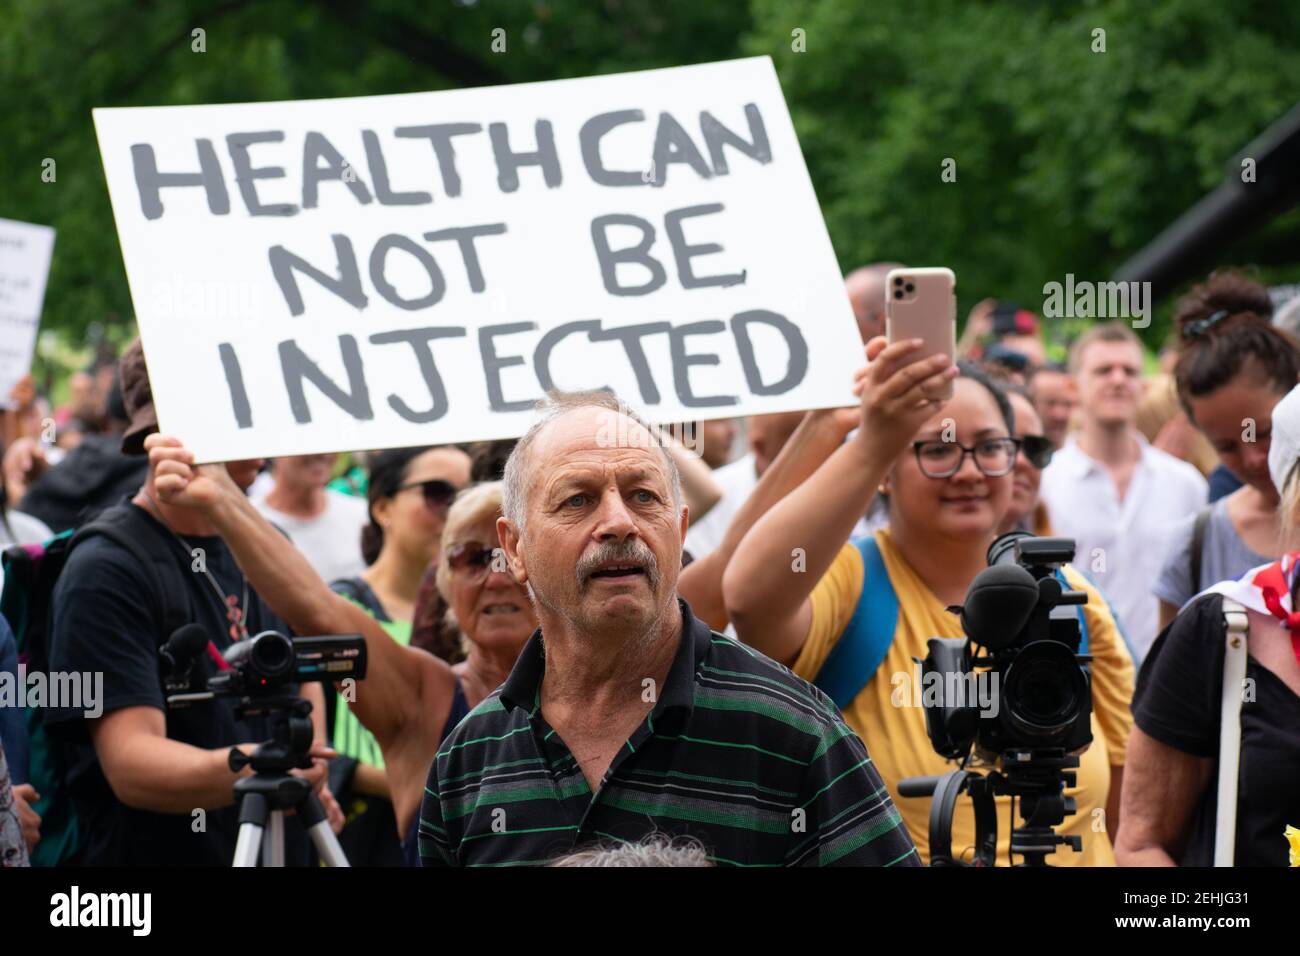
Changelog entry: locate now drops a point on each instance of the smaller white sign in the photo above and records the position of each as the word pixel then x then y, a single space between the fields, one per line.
pixel 24 264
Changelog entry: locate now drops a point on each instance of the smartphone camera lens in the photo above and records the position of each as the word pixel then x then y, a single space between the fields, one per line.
pixel 898 280
pixel 910 287
pixel 898 293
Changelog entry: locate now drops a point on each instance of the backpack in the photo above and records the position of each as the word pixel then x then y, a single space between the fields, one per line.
pixel 860 651
pixel 30 575
pixel 1197 546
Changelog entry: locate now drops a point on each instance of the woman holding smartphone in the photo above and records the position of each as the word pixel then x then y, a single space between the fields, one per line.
pixel 946 469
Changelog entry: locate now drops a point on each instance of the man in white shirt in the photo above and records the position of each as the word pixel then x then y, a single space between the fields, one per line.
pixel 325 525
pixel 1118 497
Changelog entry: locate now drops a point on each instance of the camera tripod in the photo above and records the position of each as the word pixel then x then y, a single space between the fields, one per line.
pixel 1037 777
pixel 264 797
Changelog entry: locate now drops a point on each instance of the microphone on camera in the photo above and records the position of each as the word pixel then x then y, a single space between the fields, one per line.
pixel 185 644
pixel 998 605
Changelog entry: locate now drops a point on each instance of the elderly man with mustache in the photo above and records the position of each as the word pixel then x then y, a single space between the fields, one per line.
pixel 625 715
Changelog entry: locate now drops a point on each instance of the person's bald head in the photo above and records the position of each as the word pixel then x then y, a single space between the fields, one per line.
pixel 866 288
pixel 768 435
pixel 605 421
pixel 592 520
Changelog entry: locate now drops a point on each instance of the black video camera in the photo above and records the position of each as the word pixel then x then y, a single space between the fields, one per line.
pixel 1029 688
pixel 263 665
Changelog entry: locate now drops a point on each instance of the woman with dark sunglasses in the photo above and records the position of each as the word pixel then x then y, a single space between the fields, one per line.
pixel 946 469
pixel 409 493
pixel 1027 512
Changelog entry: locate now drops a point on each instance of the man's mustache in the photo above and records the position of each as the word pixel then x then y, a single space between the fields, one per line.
pixel 631 551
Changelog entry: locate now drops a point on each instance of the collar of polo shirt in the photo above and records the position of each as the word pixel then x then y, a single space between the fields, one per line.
pixel 523 687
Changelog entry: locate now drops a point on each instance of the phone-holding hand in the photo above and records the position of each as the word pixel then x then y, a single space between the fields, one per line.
pixel 899 395
pixel 179 481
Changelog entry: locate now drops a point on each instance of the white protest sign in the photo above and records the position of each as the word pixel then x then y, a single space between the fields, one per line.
pixel 24 265
pixel 371 272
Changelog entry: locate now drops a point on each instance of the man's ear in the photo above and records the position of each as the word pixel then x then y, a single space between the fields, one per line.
pixel 510 543
pixel 685 520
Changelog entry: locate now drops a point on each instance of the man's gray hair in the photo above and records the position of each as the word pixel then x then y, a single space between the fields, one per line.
pixel 517 480
pixel 654 850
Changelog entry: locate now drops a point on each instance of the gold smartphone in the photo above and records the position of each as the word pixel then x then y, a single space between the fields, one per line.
pixel 922 304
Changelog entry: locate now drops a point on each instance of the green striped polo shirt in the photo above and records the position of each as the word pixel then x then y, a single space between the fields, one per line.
pixel 737 752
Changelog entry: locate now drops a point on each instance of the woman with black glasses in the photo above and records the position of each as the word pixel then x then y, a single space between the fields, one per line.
pixel 799 591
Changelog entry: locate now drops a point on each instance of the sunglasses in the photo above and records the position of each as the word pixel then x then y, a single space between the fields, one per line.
pixel 470 556
pixel 1037 450
pixel 438 493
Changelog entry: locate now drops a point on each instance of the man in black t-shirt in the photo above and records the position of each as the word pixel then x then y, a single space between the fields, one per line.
pixel 151 784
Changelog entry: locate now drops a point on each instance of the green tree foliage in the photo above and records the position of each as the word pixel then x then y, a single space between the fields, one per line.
pixel 1067 160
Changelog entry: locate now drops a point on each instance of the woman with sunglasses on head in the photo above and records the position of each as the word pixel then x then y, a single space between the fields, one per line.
pixel 946 468
pixel 409 493
pixel 491 609
pixel 1233 367
pixel 484 604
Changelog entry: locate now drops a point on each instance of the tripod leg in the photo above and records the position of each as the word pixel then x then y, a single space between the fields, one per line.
pixel 273 844
pixel 327 844
pixel 252 823
pixel 249 842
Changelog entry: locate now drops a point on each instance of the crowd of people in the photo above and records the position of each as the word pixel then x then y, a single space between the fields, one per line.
pixel 648 652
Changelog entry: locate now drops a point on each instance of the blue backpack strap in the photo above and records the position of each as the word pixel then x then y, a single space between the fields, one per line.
pixel 1083 618
pixel 862 648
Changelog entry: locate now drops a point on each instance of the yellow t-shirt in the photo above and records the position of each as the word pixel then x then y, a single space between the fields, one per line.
pixel 895 735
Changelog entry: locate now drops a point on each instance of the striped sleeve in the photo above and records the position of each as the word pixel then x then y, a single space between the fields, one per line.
pixel 850 818
pixel 435 849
